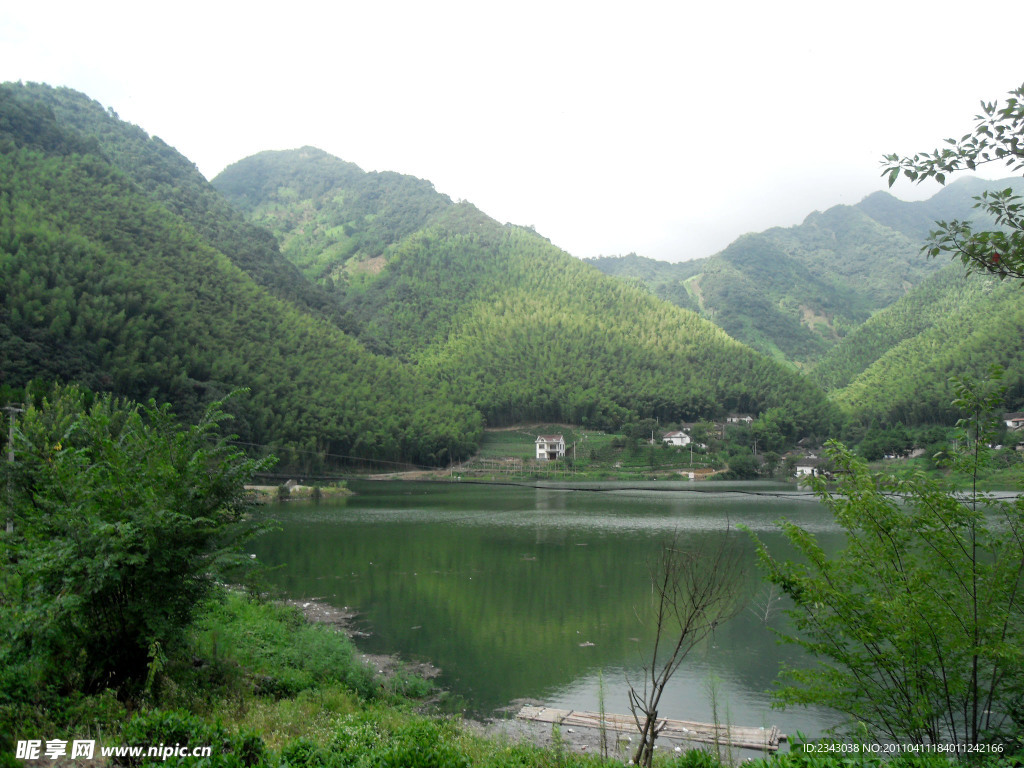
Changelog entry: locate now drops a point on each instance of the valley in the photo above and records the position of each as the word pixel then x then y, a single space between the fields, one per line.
pixel 578 441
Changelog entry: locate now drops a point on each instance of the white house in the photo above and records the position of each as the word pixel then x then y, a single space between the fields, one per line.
pixel 740 418
pixel 1014 420
pixel 676 438
pixel 808 466
pixel 550 447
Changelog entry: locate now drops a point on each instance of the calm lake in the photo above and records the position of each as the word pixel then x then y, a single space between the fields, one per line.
pixel 534 593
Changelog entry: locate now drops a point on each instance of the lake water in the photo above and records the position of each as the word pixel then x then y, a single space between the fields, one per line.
pixel 534 592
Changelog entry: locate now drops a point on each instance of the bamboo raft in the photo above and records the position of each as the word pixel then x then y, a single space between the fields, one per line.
pixel 765 739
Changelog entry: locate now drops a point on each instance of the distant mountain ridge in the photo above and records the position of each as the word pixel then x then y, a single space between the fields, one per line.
pixel 794 293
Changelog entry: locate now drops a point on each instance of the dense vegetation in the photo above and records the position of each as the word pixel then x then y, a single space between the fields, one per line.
pixel 889 334
pixel 905 355
pixel 164 175
pixel 946 292
pixel 798 293
pixel 125 271
pixel 791 293
pixel 479 305
pixel 330 216
pixel 105 285
pixel 396 323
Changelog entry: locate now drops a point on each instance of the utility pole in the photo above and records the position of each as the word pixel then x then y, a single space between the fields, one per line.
pixel 11 411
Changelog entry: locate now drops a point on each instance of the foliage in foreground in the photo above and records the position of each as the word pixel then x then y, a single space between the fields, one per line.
pixel 996 138
pixel 280 650
pixel 918 625
pixel 122 520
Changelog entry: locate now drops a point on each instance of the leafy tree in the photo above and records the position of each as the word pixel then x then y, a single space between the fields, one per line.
pixel 771 463
pixel 773 430
pixel 122 520
pixel 998 137
pixel 918 624
pixel 742 466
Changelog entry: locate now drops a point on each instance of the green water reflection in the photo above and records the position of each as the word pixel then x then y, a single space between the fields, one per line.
pixel 532 592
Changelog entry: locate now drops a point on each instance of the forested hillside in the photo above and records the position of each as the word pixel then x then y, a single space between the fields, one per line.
pixel 897 367
pixel 103 283
pixel 521 329
pixel 332 219
pixel 943 295
pixel 165 175
pixel 666 280
pixel 370 317
pixel 399 324
pixel 795 293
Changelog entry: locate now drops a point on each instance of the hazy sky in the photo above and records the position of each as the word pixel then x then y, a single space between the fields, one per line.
pixel 664 128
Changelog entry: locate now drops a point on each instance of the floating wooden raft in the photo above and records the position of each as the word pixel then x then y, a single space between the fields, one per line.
pixel 766 739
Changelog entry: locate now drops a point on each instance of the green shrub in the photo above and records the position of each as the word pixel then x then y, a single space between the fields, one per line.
pixel 696 758
pixel 286 654
pixel 122 519
pixel 302 753
pixel 421 744
pixel 174 728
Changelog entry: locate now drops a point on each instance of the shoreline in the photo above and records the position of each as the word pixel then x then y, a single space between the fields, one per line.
pixel 317 611
pixel 505 727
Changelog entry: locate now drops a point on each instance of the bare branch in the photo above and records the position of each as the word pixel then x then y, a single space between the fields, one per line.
pixel 693 594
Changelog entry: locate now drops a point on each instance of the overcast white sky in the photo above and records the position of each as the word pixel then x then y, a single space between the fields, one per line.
pixel 664 128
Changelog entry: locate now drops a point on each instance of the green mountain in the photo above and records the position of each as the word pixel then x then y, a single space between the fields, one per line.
pixel 122 269
pixel 794 293
pixel 943 295
pixel 332 219
pixel 520 328
pixel 368 316
pixel 897 366
pixel 163 174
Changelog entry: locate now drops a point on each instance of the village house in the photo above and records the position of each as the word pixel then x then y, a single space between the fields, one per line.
pixel 677 437
pixel 550 447
pixel 1014 420
pixel 809 466
pixel 740 418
